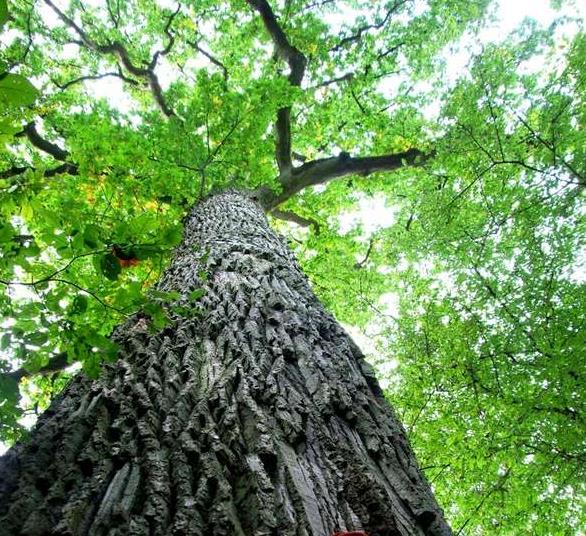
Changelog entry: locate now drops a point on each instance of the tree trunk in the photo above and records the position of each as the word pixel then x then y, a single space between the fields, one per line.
pixel 252 413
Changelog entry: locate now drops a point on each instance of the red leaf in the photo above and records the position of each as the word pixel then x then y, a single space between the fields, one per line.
pixel 125 263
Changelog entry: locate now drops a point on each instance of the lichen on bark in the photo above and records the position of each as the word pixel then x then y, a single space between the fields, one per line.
pixel 253 414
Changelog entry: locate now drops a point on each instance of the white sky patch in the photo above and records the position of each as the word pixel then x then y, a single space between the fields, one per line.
pixel 97 4
pixel 70 51
pixel 8 36
pixel 372 213
pixel 49 17
pixel 364 341
pixel 112 90
pixel 389 304
pixel 508 16
pixel 197 62
pixel 577 272
pixel 342 19
pixel 166 73
pixel 367 342
pixel 165 4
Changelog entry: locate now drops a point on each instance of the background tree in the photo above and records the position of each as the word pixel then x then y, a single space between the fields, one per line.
pixel 488 196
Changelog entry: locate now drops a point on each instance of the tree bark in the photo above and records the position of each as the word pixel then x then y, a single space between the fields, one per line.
pixel 252 413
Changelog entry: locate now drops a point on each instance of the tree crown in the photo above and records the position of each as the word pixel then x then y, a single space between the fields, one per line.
pixel 116 117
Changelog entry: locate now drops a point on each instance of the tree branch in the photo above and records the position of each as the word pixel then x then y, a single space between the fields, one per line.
pixel 118 74
pixel 366 72
pixel 362 263
pixel 71 169
pixel 325 169
pixel 294 58
pixel 348 77
pixel 51 278
pixel 297 63
pixel 171 42
pixel 357 35
pixel 13 171
pixel 117 49
pixel 210 57
pixel 56 363
pixel 30 131
pixel 287 215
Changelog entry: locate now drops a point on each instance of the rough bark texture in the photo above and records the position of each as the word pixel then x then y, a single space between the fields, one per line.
pixel 255 415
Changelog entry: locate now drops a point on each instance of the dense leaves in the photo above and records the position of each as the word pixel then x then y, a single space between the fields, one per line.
pixel 115 117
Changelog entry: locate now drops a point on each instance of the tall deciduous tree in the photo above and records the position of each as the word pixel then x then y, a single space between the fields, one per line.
pixel 118 117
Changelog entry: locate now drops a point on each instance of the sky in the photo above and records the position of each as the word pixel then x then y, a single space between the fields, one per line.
pixel 372 213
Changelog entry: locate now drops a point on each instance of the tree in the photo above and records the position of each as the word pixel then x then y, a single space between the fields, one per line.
pixel 94 192
pixel 251 413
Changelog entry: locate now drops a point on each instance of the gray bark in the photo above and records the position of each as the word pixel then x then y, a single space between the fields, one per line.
pixel 253 414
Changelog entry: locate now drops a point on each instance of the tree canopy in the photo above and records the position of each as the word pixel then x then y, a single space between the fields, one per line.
pixel 117 116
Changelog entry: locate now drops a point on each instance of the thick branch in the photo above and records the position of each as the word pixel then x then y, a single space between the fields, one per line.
pixel 294 58
pixel 57 363
pixel 283 139
pixel 325 169
pixel 297 63
pixel 71 169
pixel 14 171
pixel 32 134
pixel 30 131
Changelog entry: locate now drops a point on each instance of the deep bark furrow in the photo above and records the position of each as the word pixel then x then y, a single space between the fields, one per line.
pixel 253 415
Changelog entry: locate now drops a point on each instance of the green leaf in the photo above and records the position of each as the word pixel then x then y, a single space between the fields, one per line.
pixel 15 90
pixel 91 236
pixel 196 294
pixel 92 365
pixel 79 304
pixel 8 128
pixel 38 339
pixel 146 252
pixel 110 266
pixel 9 391
pixel 5 341
pixel 172 236
pixel 32 250
pixel 157 314
pixel 6 232
pixel 17 332
pixel 165 297
pixel 3 13
pixel 109 351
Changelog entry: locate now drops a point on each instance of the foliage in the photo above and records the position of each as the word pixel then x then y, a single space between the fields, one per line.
pixel 115 117
pixel 490 341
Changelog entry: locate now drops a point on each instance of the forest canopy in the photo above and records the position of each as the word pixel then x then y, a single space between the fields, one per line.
pixel 117 116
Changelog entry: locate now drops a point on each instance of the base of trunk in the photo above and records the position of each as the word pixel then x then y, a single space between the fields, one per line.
pixel 254 415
